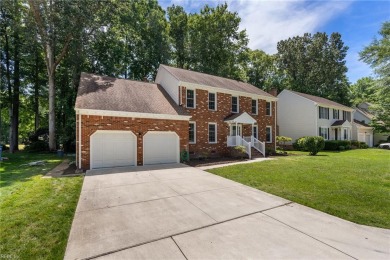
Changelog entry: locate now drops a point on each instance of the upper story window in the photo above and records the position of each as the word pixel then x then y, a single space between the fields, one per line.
pixel 212 101
pixel 268 134
pixel 192 133
pixel 323 112
pixel 268 110
pixel 212 133
pixel 346 116
pixel 190 98
pixel 336 114
pixel 235 104
pixel 324 132
pixel 254 106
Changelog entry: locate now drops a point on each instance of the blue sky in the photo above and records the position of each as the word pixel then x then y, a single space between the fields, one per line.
pixel 268 22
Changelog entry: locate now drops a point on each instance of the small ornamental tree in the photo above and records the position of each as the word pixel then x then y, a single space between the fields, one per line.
pixel 313 144
pixel 282 140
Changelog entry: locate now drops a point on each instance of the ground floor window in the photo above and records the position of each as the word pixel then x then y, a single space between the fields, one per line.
pixel 212 133
pixel 345 134
pixel 268 134
pixel 192 133
pixel 324 132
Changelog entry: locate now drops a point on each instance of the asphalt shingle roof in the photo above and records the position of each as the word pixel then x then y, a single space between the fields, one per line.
pixel 321 100
pixel 107 93
pixel 214 81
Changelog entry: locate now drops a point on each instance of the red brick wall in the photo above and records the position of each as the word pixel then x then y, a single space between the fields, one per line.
pixel 202 116
pixel 139 126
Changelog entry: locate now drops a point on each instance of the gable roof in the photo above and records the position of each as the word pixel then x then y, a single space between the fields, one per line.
pixel 361 124
pixel 321 101
pixel 199 78
pixel 106 93
pixel 365 113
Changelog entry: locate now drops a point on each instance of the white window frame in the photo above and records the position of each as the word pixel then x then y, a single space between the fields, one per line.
pixel 325 113
pixel 194 98
pixel 270 108
pixel 215 101
pixel 257 106
pixel 270 127
pixel 208 133
pixel 326 132
pixel 338 114
pixel 194 142
pixel 238 104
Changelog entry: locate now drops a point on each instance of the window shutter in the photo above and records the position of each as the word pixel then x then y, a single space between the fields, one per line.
pixel 328 134
pixel 319 131
pixel 319 112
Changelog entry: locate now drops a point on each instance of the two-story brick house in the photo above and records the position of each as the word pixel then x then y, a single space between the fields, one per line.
pixel 124 122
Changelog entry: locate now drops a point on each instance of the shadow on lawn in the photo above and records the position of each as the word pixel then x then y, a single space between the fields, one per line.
pixel 13 170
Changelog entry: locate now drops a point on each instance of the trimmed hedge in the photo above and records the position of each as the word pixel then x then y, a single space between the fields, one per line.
pixel 334 145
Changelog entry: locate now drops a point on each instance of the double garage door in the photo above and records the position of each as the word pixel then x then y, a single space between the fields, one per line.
pixel 119 148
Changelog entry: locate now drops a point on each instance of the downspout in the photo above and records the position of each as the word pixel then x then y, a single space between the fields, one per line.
pixel 79 141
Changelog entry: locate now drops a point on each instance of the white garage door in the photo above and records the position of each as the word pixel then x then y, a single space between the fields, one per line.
pixel 113 149
pixel 161 147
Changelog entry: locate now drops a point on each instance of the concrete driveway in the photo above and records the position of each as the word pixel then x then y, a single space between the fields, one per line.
pixel 180 212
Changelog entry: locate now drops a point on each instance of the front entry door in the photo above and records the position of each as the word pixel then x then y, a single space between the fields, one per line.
pixel 234 129
pixel 335 135
pixel 254 131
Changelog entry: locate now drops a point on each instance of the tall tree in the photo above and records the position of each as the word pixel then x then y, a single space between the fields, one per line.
pixel 178 32
pixel 377 55
pixel 57 22
pixel 315 64
pixel 363 91
pixel 216 45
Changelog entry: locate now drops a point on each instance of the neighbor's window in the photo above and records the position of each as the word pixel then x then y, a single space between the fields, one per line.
pixel 268 109
pixel 336 114
pixel 324 132
pixel 212 101
pixel 192 133
pixel 323 112
pixel 212 133
pixel 190 98
pixel 254 106
pixel 345 134
pixel 235 104
pixel 268 134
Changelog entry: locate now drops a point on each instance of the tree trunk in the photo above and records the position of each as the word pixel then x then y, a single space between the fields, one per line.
pixel 52 115
pixel 36 91
pixel 14 142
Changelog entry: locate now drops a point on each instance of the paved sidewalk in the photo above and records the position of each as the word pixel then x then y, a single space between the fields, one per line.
pixel 234 163
pixel 181 212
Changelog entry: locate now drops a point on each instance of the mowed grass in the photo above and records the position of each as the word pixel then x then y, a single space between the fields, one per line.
pixel 35 213
pixel 353 185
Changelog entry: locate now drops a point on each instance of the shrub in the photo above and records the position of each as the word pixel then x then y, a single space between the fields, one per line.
pixel 341 148
pixel 313 144
pixel 238 151
pixel 37 146
pixel 333 145
pixel 355 143
pixel 282 140
pixel 298 145
pixel 348 147
pixel 363 145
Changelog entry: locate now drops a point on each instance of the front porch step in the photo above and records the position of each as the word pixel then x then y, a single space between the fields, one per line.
pixel 255 153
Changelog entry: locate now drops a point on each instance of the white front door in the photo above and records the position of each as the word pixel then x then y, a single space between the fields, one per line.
pixel 255 133
pixel 236 130
pixel 368 140
pixel 161 147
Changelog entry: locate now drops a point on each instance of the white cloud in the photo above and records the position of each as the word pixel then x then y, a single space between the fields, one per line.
pixel 268 22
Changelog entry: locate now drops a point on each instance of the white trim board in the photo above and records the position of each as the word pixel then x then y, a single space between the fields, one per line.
pixel 96 112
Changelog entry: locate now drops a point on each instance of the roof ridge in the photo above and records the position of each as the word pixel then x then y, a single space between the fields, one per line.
pixel 132 80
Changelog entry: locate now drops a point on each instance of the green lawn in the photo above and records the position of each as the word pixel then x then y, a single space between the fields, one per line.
pixel 35 213
pixel 353 185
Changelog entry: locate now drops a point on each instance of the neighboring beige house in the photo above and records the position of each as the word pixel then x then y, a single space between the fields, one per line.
pixel 362 118
pixel 300 114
